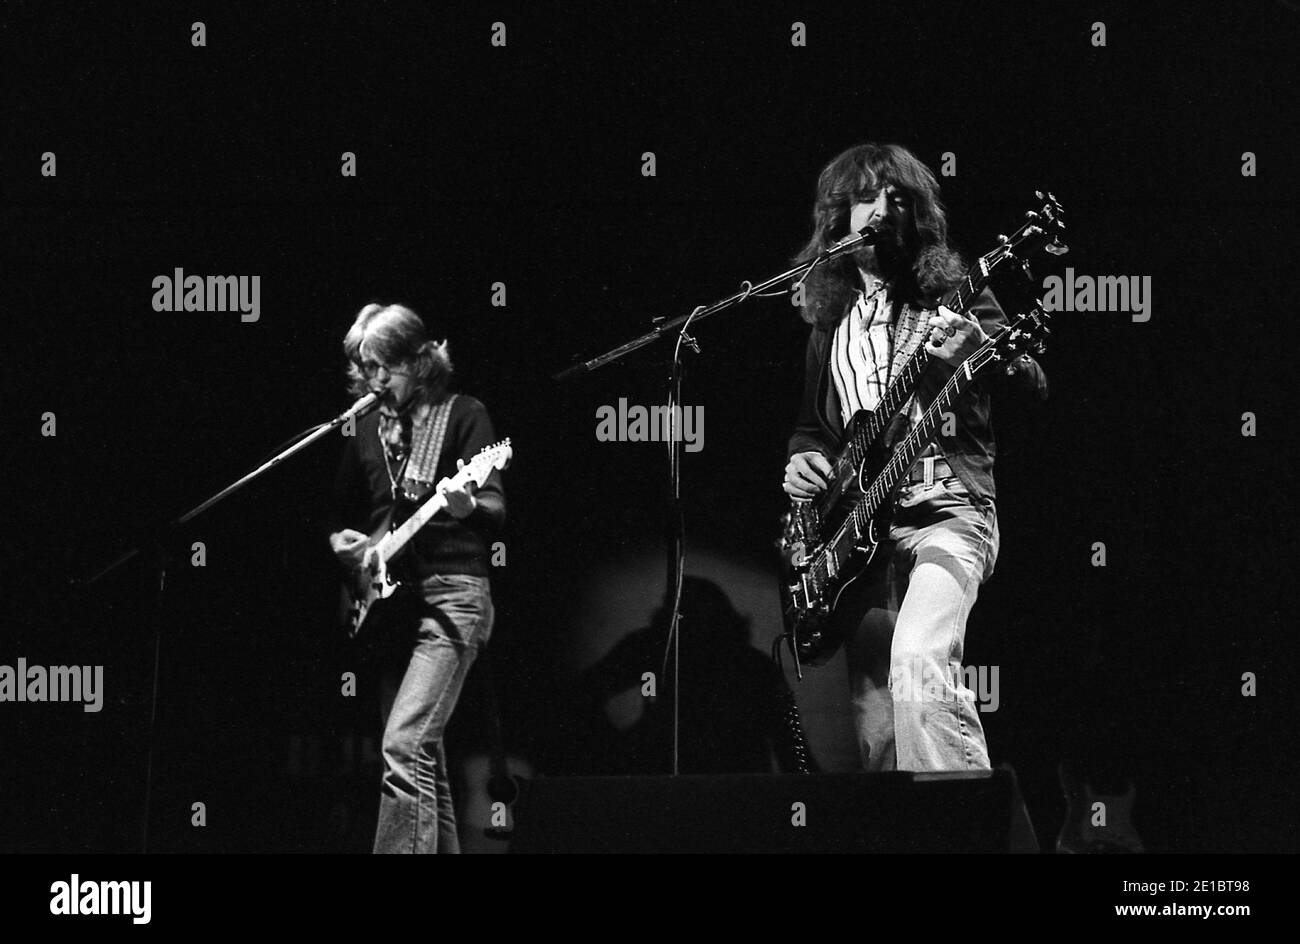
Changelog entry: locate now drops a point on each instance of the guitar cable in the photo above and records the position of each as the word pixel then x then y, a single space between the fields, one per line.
pixel 788 706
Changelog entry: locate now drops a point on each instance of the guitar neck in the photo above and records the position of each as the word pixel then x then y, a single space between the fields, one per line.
pixel 959 299
pixel 398 538
pixel 921 436
pixel 476 472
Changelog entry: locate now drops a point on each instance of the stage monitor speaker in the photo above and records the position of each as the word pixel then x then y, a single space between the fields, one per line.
pixel 782 813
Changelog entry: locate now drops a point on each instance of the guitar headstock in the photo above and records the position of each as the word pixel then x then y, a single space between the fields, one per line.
pixel 1041 231
pixel 1025 334
pixel 497 456
pixel 1051 218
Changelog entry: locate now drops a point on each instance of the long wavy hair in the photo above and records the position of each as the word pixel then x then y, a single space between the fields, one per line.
pixel 933 267
pixel 390 334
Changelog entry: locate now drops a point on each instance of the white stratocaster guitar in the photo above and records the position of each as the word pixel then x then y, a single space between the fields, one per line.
pixel 371 583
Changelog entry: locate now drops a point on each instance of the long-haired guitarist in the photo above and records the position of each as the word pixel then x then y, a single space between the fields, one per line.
pixel 430 631
pixel 869 312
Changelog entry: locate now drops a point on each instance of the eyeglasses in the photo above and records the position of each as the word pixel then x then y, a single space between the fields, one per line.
pixel 372 368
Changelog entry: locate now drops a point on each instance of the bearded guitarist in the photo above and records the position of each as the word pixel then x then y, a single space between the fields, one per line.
pixel 870 311
pixel 431 630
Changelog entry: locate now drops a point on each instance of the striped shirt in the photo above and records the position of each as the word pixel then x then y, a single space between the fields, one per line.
pixel 861 349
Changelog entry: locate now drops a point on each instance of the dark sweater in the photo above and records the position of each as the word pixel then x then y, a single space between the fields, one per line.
pixel 363 494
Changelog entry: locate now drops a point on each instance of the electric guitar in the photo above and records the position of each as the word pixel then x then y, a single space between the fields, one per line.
pixel 1096 822
pixel 815 581
pixel 371 583
pixel 810 521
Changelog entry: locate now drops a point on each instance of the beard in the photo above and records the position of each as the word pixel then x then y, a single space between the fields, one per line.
pixel 889 256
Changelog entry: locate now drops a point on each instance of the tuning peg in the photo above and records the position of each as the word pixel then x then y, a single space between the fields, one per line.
pixel 1003 238
pixel 1050 198
pixel 1057 248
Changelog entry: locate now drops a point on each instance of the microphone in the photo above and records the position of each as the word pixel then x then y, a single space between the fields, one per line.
pixel 869 235
pixel 361 406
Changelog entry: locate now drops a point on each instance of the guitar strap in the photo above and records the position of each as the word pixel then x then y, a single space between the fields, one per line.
pixel 909 333
pixel 419 468
pixel 422 461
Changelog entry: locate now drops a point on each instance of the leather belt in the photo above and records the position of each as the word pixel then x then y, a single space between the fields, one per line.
pixel 929 469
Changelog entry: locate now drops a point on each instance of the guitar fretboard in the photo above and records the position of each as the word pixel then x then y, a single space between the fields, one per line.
pixel 828 562
pixel 397 539
pixel 866 433
pixel 477 471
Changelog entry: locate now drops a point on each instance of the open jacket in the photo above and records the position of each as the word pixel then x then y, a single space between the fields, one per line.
pixel 970 450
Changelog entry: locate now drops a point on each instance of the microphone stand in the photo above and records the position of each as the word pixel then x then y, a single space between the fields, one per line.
pixel 676 524
pixel 159 543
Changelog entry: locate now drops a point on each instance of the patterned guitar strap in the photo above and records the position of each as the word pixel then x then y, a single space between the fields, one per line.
pixel 910 332
pixel 417 470
pixel 421 469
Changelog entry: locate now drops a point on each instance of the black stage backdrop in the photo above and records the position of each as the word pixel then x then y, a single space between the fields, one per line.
pixel 523 164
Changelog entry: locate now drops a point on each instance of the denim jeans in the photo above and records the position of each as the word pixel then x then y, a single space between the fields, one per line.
pixel 911 707
pixel 436 643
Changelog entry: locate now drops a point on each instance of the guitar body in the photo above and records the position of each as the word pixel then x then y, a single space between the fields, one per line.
pixel 365 587
pixel 817 631
pixel 817 517
pixel 1096 822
